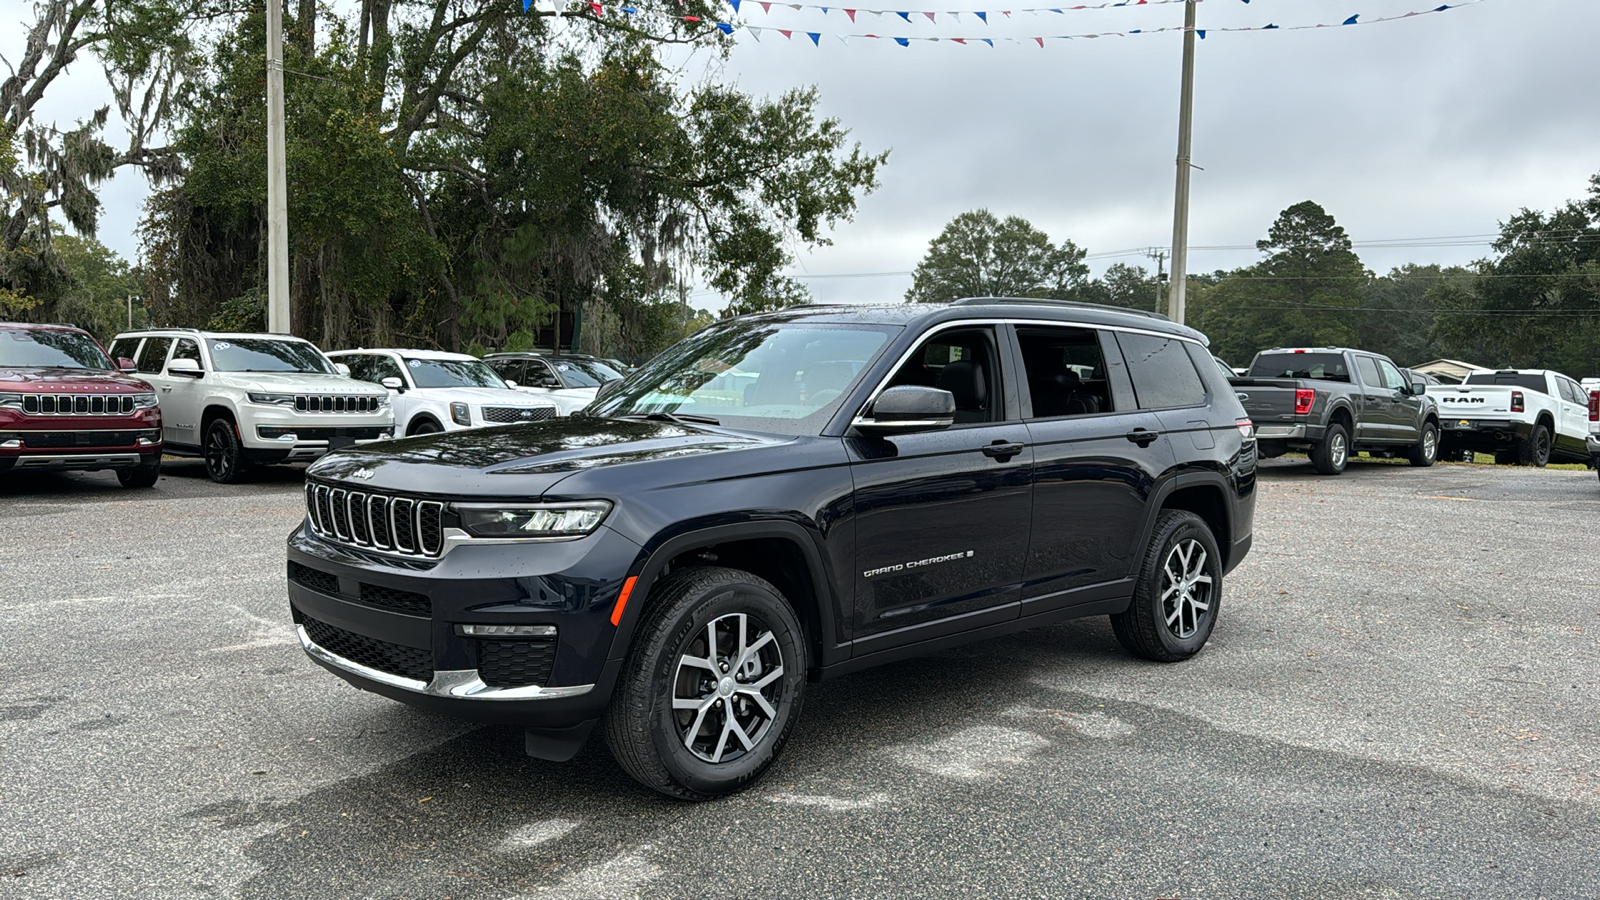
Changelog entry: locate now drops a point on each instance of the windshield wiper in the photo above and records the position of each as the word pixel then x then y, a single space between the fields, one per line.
pixel 679 418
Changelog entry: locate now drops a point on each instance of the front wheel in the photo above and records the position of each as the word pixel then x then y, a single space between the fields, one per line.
pixel 1426 449
pixel 1332 454
pixel 225 461
pixel 712 687
pixel 142 476
pixel 1179 589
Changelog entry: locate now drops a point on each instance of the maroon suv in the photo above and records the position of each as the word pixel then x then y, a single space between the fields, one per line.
pixel 65 405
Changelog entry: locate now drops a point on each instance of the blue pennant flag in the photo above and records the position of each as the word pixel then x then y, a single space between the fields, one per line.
pixel 987 41
pixel 1352 20
pixel 906 16
pixel 904 42
pixel 1201 32
pixel 725 28
pixel 526 4
pixel 982 15
pixel 816 38
pixel 735 5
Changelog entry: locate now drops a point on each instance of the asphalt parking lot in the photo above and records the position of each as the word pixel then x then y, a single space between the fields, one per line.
pixel 1399 701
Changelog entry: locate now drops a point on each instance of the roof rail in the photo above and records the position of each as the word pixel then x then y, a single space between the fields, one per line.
pixel 1075 304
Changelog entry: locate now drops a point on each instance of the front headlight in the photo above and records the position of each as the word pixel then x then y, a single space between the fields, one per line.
pixel 382 400
pixel 461 413
pixel 272 399
pixel 144 401
pixel 13 401
pixel 552 521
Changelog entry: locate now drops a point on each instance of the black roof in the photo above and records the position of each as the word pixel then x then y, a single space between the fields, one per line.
pixel 1015 308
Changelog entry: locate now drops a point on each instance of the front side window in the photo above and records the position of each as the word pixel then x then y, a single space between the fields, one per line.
pixel 268 355
pixel 1391 376
pixel 49 349
pixel 1065 371
pixel 583 373
pixel 124 348
pixel 153 358
pixel 451 373
pixel 188 349
pixel 782 377
pixel 963 362
pixel 1164 377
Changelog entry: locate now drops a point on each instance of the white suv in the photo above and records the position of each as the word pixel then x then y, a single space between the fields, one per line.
pixel 239 400
pixel 433 391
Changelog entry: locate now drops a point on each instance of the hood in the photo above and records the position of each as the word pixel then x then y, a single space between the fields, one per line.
pixel 74 381
pixel 481 395
pixel 297 383
pixel 522 461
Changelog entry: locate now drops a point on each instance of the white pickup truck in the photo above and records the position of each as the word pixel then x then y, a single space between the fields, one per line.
pixel 1525 416
pixel 1591 389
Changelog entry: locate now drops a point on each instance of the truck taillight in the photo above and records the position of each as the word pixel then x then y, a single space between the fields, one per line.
pixel 1303 398
pixel 1246 428
pixel 1516 401
pixel 1594 406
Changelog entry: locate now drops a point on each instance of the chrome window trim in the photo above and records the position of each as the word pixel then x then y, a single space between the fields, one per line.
pixel 460 684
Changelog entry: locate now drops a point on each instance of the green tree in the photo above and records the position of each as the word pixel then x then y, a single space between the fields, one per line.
pixel 97 286
pixel 1307 291
pixel 1123 285
pixel 979 255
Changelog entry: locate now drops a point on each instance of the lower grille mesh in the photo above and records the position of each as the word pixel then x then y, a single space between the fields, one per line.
pixel 407 662
pixel 326 582
pixel 515 663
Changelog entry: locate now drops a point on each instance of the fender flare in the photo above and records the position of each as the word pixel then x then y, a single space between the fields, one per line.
pixel 657 553
pixel 425 414
pixel 1167 488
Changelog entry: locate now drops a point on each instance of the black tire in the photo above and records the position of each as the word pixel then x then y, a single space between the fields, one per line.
pixel 1332 453
pixel 140 476
pixel 652 740
pixel 225 461
pixel 1535 451
pixel 1426 450
pixel 1155 627
pixel 1505 457
pixel 423 425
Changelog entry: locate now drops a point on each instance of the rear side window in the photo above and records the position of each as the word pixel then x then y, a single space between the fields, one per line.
pixel 1065 372
pixel 1369 371
pixel 154 355
pixel 1531 381
pixel 1319 366
pixel 1164 377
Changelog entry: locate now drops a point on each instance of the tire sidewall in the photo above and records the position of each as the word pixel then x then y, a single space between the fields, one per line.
pixel 1422 457
pixel 1149 592
pixel 684 623
pixel 231 444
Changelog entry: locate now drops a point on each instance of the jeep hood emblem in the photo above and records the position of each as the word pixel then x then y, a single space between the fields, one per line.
pixel 363 474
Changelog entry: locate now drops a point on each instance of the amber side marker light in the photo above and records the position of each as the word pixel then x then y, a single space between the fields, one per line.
pixel 622 600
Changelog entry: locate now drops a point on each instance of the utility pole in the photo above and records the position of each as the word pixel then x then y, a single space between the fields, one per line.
pixel 1160 256
pixel 130 312
pixel 277 180
pixel 1180 214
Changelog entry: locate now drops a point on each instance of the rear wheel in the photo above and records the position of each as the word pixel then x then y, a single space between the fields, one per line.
pixel 1426 449
pixel 1535 450
pixel 1332 454
pixel 140 476
pixel 225 461
pixel 712 687
pixel 1176 598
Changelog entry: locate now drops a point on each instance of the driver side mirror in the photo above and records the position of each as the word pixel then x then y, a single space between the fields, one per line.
pixel 342 369
pixel 125 364
pixel 1418 388
pixel 907 409
pixel 394 384
pixel 188 368
pixel 511 384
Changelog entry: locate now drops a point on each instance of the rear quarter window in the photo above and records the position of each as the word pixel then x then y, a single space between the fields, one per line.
pixel 1164 377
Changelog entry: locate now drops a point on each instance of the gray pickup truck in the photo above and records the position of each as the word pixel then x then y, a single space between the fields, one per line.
pixel 1333 401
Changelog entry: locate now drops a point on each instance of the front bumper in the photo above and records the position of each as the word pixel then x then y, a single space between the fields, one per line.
pixel 78 449
pixel 283 435
pixel 391 625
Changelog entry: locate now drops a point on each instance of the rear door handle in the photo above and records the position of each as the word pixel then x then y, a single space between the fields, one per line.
pixel 1143 437
pixel 1002 450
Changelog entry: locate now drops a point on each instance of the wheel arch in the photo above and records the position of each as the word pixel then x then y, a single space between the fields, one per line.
pixel 781 552
pixel 422 416
pixel 1343 413
pixel 1203 493
pixel 216 409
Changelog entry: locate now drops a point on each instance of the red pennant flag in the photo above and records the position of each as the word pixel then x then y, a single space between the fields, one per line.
pixel 599 11
pixel 766 7
pixel 1040 40
pixel 929 15
pixel 959 40
pixel 685 18
pixel 851 13
pixel 786 32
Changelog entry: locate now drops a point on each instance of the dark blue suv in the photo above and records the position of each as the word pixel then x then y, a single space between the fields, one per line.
pixel 782 498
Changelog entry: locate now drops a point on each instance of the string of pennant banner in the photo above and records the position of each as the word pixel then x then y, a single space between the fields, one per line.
pixel 600 10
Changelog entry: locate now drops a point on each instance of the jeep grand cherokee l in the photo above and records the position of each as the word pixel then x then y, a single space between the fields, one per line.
pixel 779 499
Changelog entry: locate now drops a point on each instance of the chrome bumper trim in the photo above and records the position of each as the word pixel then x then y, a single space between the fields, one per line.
pixel 84 461
pixel 1280 432
pixel 460 684
pixel 1594 444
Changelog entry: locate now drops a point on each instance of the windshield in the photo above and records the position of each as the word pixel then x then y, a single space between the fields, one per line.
pixel 1530 381
pixel 267 355
pixel 583 373
pixel 1319 366
pixel 787 378
pixel 28 348
pixel 449 373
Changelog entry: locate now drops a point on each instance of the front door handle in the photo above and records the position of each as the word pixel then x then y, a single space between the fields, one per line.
pixel 1143 437
pixel 1002 450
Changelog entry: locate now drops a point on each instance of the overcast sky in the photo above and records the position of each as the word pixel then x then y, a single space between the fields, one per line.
pixel 1435 127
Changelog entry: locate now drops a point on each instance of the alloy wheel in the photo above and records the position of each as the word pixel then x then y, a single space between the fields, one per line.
pixel 219 459
pixel 1338 451
pixel 726 688
pixel 1430 444
pixel 1185 588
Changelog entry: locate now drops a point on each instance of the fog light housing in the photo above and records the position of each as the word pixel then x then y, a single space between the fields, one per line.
pixel 506 631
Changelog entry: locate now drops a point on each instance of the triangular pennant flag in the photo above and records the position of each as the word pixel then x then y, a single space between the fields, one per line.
pixel 735 4
pixel 904 15
pixel 1040 40
pixel 982 15
pixel 954 14
pixel 786 32
pixel 987 41
pixel 816 38
pixel 851 13
pixel 904 42
pixel 1201 32
pixel 961 41
pixel 1352 20
pixel 766 6
pixel 526 4
pixel 824 9
pixel 599 11
pixel 725 28
pixel 628 9
pixel 929 15
pixel 755 32
pixel 691 18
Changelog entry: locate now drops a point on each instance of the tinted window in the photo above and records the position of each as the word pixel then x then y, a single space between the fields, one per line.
pixel 449 373
pixel 385 367
pixel 1532 381
pixel 1163 375
pixel 360 366
pixel 49 349
pixel 1369 371
pixel 509 369
pixel 1321 366
pixel 268 355
pixel 963 363
pixel 188 348
pixel 124 348
pixel 1570 391
pixel 539 374
pixel 1065 372
pixel 153 358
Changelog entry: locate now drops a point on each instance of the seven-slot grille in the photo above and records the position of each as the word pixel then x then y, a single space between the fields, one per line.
pixel 393 524
pixel 356 403
pixel 77 404
pixel 507 414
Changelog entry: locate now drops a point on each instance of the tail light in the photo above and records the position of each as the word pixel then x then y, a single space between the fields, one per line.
pixel 1594 406
pixel 1303 398
pixel 1248 428
pixel 1516 401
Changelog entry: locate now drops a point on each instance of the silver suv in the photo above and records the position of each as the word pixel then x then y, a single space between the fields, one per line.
pixel 239 400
